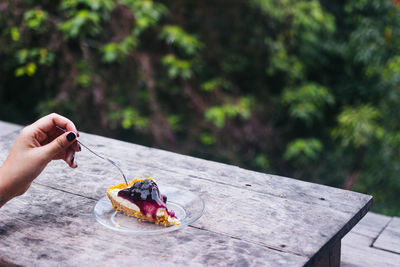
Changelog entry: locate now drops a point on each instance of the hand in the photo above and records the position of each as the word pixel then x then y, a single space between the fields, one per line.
pixel 35 147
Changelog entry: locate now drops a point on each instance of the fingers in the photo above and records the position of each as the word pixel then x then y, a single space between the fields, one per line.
pixel 70 158
pixel 49 122
pixel 76 146
pixel 59 144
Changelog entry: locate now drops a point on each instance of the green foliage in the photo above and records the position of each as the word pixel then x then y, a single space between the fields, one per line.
pixel 83 23
pixel 218 114
pixel 30 58
pixel 307 102
pixel 261 161
pixel 83 79
pixel 40 55
pixel 100 6
pixel 303 151
pixel 177 36
pixel 265 84
pixel 28 69
pixel 174 122
pixel 207 139
pixel 309 20
pixel 147 13
pixel 15 34
pixel 281 61
pixel 35 19
pixel 357 126
pixel 129 118
pixel 215 84
pixel 119 51
pixel 177 67
pixel 391 72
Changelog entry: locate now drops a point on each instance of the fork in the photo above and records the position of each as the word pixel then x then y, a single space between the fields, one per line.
pixel 104 158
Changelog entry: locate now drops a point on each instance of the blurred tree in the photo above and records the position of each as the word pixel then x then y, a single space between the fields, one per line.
pixel 308 89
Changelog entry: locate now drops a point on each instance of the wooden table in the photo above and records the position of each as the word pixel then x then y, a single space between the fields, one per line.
pixel 250 218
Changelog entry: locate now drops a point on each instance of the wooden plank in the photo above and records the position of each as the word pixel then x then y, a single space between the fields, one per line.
pixel 371 225
pixel 284 214
pixel 7 128
pixel 389 239
pixel 50 227
pixel 280 223
pixel 286 225
pixel 356 251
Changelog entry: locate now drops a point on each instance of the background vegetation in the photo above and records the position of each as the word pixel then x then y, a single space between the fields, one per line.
pixel 307 89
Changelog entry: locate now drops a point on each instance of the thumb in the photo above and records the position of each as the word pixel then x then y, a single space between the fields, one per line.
pixel 59 144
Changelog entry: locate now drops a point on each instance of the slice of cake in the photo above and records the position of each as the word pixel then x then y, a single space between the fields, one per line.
pixel 142 199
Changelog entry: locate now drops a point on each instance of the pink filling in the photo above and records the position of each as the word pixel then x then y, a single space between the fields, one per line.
pixel 147 197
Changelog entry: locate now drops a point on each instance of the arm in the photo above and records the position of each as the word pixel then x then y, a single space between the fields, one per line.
pixel 37 145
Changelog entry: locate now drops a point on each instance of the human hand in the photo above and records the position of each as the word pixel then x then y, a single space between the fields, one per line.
pixel 35 147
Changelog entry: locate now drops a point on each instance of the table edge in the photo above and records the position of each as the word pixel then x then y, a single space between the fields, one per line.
pixel 342 232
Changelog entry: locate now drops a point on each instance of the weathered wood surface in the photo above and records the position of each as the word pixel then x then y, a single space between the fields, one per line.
pixel 6 127
pixel 357 251
pixel 371 225
pixel 51 227
pixel 389 239
pixel 275 221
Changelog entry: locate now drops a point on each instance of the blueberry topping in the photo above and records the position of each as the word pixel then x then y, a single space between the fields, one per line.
pixel 146 196
pixel 144 190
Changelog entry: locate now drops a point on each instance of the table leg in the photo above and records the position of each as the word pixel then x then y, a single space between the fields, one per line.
pixel 329 258
pixel 334 255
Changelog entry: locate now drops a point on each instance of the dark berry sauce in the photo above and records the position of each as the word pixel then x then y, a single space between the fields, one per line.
pixel 147 197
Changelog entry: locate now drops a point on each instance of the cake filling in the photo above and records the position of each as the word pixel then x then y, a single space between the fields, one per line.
pixel 146 195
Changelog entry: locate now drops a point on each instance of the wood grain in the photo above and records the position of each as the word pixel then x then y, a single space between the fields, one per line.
pixel 357 251
pixel 371 225
pixel 7 128
pixel 292 218
pixel 274 222
pixel 389 239
pixel 51 227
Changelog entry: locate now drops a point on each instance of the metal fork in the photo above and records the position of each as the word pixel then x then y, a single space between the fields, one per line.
pixel 106 159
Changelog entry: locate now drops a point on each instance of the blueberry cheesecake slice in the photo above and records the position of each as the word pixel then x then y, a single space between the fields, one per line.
pixel 142 199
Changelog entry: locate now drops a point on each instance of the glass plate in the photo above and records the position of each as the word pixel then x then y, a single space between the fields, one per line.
pixel 187 206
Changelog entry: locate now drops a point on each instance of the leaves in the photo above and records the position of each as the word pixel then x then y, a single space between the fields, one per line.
pixel 83 23
pixel 175 35
pixel 307 102
pixel 147 13
pixel 129 117
pixel 303 151
pixel 215 84
pixel 118 51
pixel 207 139
pixel 357 126
pixel 30 59
pixel 218 114
pixel 35 19
pixel 28 69
pixel 15 34
pixel 177 67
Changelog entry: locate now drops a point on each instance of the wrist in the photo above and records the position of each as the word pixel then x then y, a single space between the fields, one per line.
pixel 5 192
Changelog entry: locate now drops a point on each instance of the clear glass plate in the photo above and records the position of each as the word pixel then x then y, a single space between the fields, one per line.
pixel 187 206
